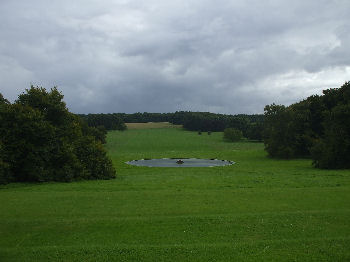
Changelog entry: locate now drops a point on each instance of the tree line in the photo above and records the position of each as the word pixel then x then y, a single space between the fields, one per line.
pixel 116 121
pixel 40 140
pixel 251 126
pixel 317 127
pixel 104 121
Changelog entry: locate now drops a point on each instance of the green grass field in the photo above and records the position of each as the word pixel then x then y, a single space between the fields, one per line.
pixel 151 125
pixel 259 209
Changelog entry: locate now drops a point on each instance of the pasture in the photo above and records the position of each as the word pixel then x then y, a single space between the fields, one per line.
pixel 258 209
pixel 151 125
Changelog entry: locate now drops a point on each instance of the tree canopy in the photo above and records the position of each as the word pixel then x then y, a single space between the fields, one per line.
pixel 42 141
pixel 317 127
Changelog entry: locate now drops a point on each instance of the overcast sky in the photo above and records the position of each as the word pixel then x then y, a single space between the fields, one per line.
pixel 165 55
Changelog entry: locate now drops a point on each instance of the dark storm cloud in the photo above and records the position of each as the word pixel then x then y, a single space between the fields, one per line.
pixel 162 56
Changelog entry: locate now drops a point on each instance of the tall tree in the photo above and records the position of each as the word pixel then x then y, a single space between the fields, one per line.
pixel 42 141
pixel 317 127
pixel 332 149
pixel 277 138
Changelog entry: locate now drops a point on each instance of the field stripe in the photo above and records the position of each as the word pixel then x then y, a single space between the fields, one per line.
pixel 171 217
pixel 237 242
pixel 219 188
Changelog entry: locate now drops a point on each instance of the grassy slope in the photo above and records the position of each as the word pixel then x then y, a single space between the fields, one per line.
pixel 258 209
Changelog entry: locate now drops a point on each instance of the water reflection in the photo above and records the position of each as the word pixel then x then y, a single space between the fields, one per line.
pixel 180 162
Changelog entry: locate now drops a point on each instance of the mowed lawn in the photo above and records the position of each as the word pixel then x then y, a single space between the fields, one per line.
pixel 259 209
pixel 151 125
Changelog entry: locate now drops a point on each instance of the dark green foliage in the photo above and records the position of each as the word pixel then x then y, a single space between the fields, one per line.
pixel 287 131
pixel 317 127
pixel 5 174
pixel 178 117
pixel 93 156
pixel 108 121
pixel 99 132
pixel 277 141
pixel 49 104
pixel 203 121
pixel 42 141
pixel 332 150
pixel 4 166
pixel 3 101
pixel 146 117
pixel 206 121
pixel 233 134
pixel 255 131
pixel 27 141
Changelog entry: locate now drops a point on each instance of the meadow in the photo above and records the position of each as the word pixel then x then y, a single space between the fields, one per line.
pixel 151 125
pixel 258 209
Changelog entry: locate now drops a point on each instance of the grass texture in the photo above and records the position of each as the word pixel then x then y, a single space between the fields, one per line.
pixel 258 209
pixel 151 125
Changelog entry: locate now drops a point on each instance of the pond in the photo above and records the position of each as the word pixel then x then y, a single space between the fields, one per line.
pixel 180 162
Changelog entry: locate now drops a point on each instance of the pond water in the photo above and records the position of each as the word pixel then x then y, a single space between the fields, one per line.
pixel 180 162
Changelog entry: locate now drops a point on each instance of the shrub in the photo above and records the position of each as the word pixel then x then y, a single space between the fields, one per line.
pixel 232 134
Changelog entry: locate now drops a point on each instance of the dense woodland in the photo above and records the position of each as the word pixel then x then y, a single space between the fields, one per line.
pixel 317 127
pixel 251 126
pixel 42 141
pixel 104 121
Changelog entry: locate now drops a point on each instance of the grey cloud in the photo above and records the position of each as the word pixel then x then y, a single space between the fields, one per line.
pixel 162 56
